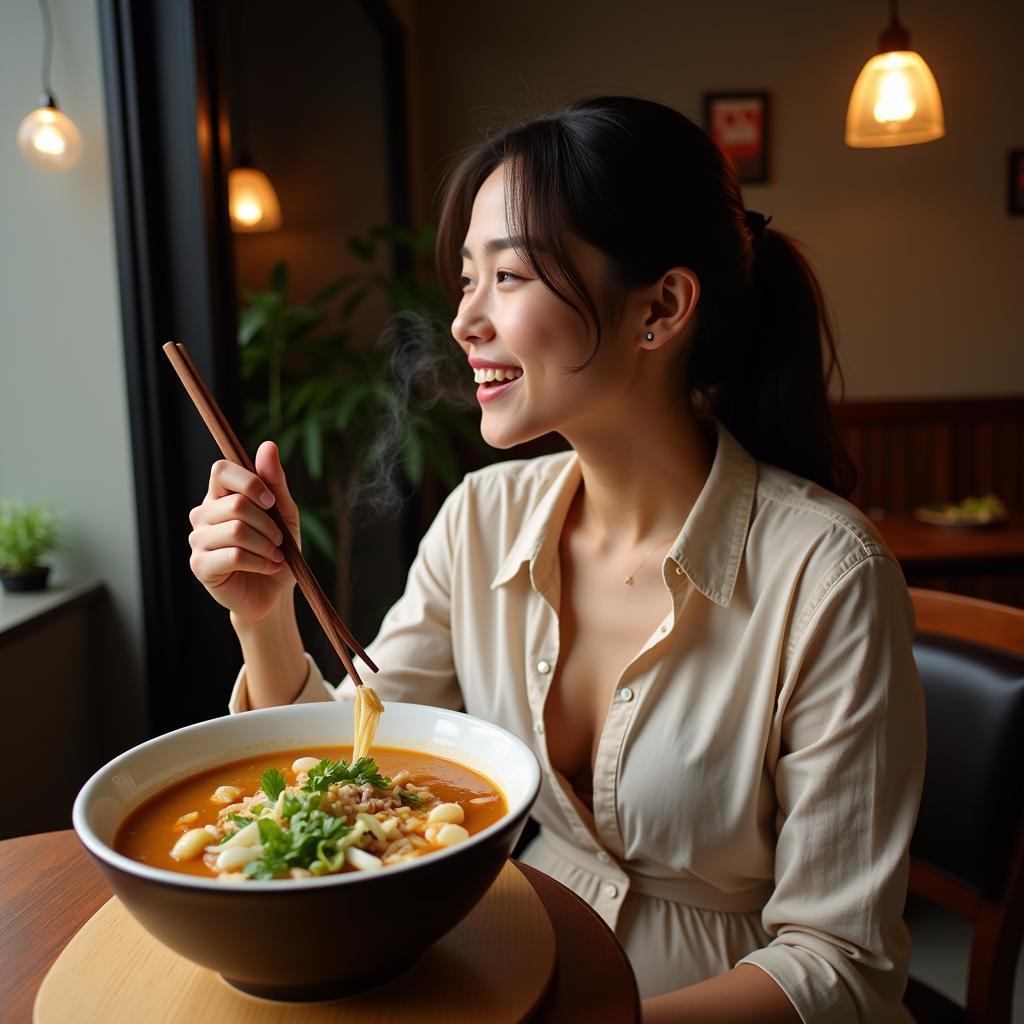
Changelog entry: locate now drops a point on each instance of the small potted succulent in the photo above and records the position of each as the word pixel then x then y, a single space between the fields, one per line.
pixel 26 533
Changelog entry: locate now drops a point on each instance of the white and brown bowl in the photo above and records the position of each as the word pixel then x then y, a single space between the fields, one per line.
pixel 317 938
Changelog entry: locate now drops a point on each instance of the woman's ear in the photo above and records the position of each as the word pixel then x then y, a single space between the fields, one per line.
pixel 672 307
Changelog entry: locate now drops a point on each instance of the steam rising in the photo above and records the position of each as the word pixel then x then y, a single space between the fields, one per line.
pixel 426 368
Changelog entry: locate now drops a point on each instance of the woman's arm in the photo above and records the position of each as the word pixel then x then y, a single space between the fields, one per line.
pixel 744 995
pixel 850 733
pixel 275 662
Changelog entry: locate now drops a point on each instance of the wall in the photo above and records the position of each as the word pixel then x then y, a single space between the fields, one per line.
pixel 918 258
pixel 64 434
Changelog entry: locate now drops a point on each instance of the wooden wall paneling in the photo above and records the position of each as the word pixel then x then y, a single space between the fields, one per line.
pixel 900 462
pixel 1011 476
pixel 876 496
pixel 921 446
pixel 964 460
pixel 986 456
pixel 941 470
pixel 853 438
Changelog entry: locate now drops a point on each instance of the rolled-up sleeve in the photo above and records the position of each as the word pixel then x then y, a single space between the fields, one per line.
pixel 848 781
pixel 413 648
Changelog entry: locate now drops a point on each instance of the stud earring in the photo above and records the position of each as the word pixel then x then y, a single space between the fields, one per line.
pixel 649 335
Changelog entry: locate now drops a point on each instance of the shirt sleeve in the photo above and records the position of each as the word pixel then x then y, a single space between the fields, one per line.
pixel 848 782
pixel 413 648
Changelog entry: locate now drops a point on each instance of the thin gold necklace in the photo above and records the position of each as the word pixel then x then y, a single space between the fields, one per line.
pixel 629 578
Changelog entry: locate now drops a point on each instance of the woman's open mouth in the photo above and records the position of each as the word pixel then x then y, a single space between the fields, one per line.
pixel 494 383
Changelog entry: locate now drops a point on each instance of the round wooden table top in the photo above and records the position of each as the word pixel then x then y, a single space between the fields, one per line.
pixel 50 889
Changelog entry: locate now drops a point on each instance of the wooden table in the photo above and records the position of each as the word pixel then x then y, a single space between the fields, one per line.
pixel 50 889
pixel 921 545
pixel 986 562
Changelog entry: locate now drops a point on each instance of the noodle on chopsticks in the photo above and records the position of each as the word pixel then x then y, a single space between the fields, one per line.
pixel 368 710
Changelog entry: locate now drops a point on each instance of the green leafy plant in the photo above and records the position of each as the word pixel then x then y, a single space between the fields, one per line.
pixel 27 532
pixel 348 407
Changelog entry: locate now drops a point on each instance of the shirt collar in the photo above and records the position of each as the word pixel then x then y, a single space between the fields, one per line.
pixel 709 547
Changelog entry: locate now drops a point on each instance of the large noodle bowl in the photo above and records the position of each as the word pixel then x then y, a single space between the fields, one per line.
pixel 304 813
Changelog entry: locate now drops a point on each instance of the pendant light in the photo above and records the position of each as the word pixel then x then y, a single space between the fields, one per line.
pixel 47 137
pixel 895 101
pixel 252 200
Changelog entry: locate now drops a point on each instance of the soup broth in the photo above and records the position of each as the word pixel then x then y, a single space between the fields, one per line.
pixel 428 803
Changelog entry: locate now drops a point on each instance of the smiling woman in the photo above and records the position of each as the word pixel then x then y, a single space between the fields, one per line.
pixel 732 741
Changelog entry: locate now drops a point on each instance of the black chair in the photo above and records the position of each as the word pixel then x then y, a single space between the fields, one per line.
pixel 967 852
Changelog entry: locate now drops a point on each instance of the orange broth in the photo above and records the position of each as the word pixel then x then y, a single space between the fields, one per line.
pixel 149 832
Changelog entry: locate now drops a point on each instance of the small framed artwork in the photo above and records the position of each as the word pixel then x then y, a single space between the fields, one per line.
pixel 738 122
pixel 1015 195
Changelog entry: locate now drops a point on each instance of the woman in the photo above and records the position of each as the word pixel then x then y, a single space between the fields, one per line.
pixel 709 650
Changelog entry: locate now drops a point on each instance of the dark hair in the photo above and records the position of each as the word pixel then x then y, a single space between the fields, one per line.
pixel 650 189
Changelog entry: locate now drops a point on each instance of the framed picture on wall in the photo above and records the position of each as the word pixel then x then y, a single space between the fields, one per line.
pixel 739 122
pixel 1015 195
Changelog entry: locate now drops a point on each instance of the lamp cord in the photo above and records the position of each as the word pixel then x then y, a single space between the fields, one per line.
pixel 240 126
pixel 44 9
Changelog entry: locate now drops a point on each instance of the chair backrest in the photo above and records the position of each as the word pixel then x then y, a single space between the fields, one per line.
pixel 967 853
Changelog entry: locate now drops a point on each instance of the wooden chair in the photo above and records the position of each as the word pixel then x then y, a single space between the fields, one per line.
pixel 967 853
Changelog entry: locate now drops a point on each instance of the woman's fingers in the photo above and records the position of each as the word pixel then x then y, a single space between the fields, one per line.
pixel 234 534
pixel 213 567
pixel 234 507
pixel 268 465
pixel 229 478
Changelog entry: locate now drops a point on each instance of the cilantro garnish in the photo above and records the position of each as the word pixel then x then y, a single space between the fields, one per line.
pixel 328 773
pixel 239 820
pixel 311 840
pixel 272 783
pixel 410 799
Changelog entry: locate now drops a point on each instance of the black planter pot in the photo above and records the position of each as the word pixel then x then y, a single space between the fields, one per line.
pixel 22 582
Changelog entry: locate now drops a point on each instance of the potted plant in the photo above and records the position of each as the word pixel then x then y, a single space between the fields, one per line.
pixel 26 533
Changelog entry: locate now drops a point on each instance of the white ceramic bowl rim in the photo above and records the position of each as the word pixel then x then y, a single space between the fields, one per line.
pixel 100 849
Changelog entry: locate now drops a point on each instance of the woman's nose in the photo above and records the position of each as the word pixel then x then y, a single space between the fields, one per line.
pixel 471 325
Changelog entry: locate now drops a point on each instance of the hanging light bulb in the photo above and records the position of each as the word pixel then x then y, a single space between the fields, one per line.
pixel 47 137
pixel 895 100
pixel 252 201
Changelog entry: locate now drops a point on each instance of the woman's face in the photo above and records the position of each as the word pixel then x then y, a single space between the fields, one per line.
pixel 508 319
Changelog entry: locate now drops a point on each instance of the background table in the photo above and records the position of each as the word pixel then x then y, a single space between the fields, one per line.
pixel 980 562
pixel 50 889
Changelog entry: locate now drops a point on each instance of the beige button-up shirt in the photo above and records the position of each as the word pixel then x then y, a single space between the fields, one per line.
pixel 759 771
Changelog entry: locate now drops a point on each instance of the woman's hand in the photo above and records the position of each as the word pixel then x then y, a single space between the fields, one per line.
pixel 236 550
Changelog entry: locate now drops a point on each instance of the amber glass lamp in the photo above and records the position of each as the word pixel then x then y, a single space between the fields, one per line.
pixel 252 200
pixel 895 100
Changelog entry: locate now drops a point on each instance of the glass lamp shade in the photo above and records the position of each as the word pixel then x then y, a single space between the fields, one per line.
pixel 252 201
pixel 895 102
pixel 48 138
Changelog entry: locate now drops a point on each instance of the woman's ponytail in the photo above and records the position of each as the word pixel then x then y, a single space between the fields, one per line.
pixel 764 368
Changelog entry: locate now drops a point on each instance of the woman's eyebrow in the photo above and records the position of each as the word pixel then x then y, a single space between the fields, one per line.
pixel 496 245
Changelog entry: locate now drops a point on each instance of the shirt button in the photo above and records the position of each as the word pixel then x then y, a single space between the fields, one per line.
pixel 603 857
pixel 663 628
pixel 611 891
pixel 625 693
pixel 679 570
pixel 538 727
pixel 543 667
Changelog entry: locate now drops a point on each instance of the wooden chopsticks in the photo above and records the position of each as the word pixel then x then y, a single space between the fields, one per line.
pixel 234 451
